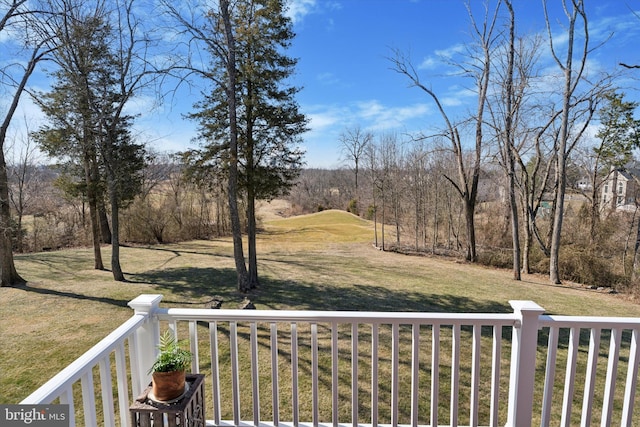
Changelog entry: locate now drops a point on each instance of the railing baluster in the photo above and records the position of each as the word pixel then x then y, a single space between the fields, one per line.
pixel 610 382
pixel 314 374
pixel 455 374
pixel 590 379
pixel 235 374
pixel 415 373
pixel 475 375
pixel 495 374
pixel 550 373
pixel 275 387
pixel 215 371
pixel 569 378
pixel 138 334
pixel 632 379
pixel 354 374
pixel 374 374
pixel 173 327
pixel 435 372
pixel 106 389
pixel 193 344
pixel 395 381
pixel 255 378
pixel 294 374
pixel 88 398
pixel 136 385
pixel 66 398
pixel 335 390
pixel 123 386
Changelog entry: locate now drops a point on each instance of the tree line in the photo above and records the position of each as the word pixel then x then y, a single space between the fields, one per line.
pixel 531 128
pixel 100 56
pixel 493 182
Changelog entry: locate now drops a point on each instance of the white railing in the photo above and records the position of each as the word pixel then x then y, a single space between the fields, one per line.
pixel 315 368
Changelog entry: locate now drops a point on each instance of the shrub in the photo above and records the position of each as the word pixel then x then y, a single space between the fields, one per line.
pixel 587 267
pixel 353 207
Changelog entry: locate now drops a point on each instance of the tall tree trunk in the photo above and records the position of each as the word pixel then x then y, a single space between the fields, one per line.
pixel 105 230
pixel 118 275
pixel 561 163
pixel 8 272
pixel 375 218
pixel 469 215
pixel 93 212
pixel 528 241
pixel 238 254
pixel 434 243
pixel 510 146
pixel 396 214
pixel 382 222
pixel 251 238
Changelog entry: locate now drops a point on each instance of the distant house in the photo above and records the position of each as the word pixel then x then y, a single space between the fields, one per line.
pixel 584 184
pixel 623 184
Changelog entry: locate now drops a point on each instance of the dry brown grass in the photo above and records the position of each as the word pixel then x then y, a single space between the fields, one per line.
pixel 323 261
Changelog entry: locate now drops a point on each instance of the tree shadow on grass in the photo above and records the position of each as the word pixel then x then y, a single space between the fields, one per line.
pixel 186 284
pixel 189 285
pixel 53 292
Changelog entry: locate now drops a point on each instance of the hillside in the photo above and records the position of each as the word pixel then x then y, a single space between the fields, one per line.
pixel 322 261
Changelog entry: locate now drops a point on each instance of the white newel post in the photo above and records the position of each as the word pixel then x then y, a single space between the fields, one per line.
pixel 147 338
pixel 523 363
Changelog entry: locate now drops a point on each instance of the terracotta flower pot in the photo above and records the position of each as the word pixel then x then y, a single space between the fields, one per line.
pixel 167 385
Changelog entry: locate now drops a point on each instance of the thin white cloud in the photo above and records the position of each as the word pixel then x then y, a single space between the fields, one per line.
pixel 398 117
pixel 371 115
pixel 328 78
pixel 298 9
pixel 429 63
pixel 441 56
pixel 457 96
pixel 328 121
pixel 451 51
pixel 324 120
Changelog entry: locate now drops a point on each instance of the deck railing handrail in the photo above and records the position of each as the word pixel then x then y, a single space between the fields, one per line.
pixel 405 318
pixel 64 379
pixel 140 334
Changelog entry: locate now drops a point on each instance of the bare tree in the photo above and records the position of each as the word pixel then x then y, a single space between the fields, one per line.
pixel 417 160
pixel 354 142
pixel 372 160
pixel 511 111
pixel 577 109
pixel 507 138
pixel 24 182
pixel 478 68
pixel 26 17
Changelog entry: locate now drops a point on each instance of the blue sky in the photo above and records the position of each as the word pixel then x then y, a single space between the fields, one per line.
pixel 347 80
pixel 343 48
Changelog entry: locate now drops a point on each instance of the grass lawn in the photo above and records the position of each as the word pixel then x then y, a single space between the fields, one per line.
pixel 323 261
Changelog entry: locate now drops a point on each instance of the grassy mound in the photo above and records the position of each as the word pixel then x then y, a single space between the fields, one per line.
pixel 323 261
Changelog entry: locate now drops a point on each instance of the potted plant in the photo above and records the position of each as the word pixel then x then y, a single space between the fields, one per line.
pixel 168 371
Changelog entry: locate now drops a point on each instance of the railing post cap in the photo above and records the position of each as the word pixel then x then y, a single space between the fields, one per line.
pixel 145 303
pixel 528 306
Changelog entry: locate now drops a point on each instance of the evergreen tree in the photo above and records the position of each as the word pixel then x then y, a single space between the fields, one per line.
pixel 87 125
pixel 619 135
pixel 73 130
pixel 269 123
